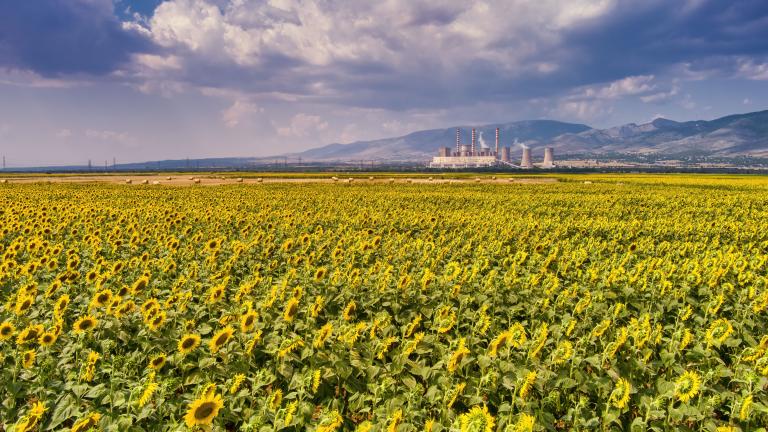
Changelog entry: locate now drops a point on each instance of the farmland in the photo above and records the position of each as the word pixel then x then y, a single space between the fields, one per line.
pixel 623 303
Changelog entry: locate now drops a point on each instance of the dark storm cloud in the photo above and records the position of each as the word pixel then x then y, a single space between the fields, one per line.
pixel 59 37
pixel 648 37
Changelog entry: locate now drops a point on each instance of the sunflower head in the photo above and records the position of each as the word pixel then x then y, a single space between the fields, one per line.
pixel 91 421
pixel 687 386
pixel 47 338
pixel 157 362
pixel 6 330
pixel 477 420
pixel 220 339
pixel 188 343
pixel 28 358
pixel 203 410
pixel 247 321
pixel 85 324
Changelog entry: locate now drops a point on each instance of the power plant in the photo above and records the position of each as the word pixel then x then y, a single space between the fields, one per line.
pixel 470 156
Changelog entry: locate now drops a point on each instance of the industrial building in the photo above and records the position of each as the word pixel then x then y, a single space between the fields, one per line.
pixel 470 156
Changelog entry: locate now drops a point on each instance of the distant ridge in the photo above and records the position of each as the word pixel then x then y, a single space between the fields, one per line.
pixel 730 136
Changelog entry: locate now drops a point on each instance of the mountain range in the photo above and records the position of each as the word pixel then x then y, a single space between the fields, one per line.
pixel 730 136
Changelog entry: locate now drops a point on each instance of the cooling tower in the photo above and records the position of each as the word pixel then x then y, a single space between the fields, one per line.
pixel 505 154
pixel 525 162
pixel 549 158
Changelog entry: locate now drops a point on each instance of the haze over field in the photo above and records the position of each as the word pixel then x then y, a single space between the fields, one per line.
pixel 139 80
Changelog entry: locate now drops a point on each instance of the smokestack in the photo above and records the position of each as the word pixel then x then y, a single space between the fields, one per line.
pixel 458 141
pixel 474 141
pixel 549 158
pixel 497 142
pixel 526 161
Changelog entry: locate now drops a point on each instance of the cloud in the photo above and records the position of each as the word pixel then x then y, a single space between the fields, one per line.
pixel 63 133
pixel 303 125
pixel 238 111
pixel 59 37
pixel 108 135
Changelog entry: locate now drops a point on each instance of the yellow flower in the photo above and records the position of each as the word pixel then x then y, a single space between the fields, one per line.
pixel 101 298
pixel 397 418
pixel 718 331
pixel 457 356
pixel 85 324
pixel 330 422
pixel 47 339
pixel 540 341
pixel 146 395
pixel 477 420
pixel 620 395
pixel 384 347
pixel 349 310
pixel 90 367
pixel 6 330
pixel 275 399
pixel 454 394
pixel 746 408
pixel 562 353
pixel 188 343
pixel 687 386
pixel 525 388
pixel 220 339
pixel 203 410
pixel 28 358
pixel 525 423
pixel 236 382
pixel 91 421
pixel 316 376
pixel 248 321
pixel 30 333
pixel 322 335
pixel 157 362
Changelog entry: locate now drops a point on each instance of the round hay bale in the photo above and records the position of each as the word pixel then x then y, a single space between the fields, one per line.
pixel 155 182
pixel 239 180
pixel 197 181
pixel 145 182
pixel 128 181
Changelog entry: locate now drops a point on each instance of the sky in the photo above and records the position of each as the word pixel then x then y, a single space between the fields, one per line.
pixel 137 80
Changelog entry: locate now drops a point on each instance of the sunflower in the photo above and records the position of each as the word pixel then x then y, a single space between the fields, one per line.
pixel 203 410
pixel 457 356
pixel 6 330
pixel 237 381
pixel 394 423
pixel 620 395
pixel 525 423
pixel 687 386
pixel 477 420
pixel 85 324
pixel 154 323
pixel 525 388
pixel 28 358
pixel 719 331
pixel 140 285
pixel 23 304
pixel 275 399
pixel 349 310
pixel 102 298
pixel 247 321
pixel 91 421
pixel 220 339
pixel 157 362
pixel 188 343
pixel 291 308
pixel 47 339
pixel 29 334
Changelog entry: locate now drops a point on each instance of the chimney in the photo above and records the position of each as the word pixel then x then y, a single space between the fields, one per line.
pixel 474 141
pixel 526 161
pixel 497 143
pixel 458 141
pixel 549 158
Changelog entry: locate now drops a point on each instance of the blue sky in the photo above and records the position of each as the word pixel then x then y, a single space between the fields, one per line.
pixel 147 79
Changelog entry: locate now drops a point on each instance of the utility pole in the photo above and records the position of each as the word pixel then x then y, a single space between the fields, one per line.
pixel 89 165
pixel 3 162
pixel 114 164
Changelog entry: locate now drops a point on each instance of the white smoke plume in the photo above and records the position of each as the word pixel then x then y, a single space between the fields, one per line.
pixel 483 145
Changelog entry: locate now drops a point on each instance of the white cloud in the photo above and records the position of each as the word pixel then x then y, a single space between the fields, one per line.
pixel 238 112
pixel 661 96
pixel 746 101
pixel 63 133
pixel 303 125
pixel 108 135
pixel 748 68
pixel 631 85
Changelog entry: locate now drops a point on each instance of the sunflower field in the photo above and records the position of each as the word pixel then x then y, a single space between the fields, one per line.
pixel 628 304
